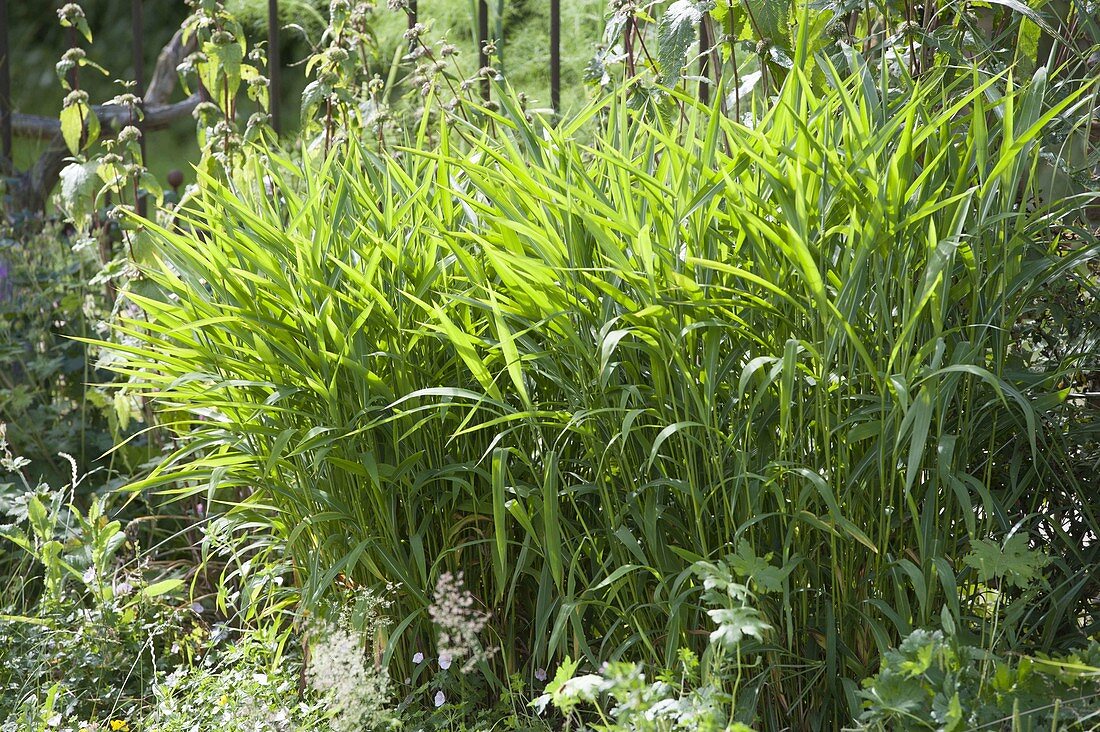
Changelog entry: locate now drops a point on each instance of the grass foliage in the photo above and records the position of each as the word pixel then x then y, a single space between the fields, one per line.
pixel 570 370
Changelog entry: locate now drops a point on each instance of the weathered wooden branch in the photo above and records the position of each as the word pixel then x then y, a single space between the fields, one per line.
pixel 111 119
pixel 165 77
pixel 31 188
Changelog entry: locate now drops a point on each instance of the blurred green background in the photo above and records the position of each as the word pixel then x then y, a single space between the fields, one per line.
pixel 38 41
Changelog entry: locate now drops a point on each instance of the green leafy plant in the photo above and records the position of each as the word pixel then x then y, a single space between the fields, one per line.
pixel 637 705
pixel 935 682
pixel 573 370
pixel 741 52
pixel 90 648
pixel 245 686
pixel 52 396
pixel 699 695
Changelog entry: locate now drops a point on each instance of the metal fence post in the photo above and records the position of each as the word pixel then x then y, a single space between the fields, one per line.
pixel 555 55
pixel 137 21
pixel 704 61
pixel 6 159
pixel 273 70
pixel 482 39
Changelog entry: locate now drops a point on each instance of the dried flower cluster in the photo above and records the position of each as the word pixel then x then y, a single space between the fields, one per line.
pixel 458 622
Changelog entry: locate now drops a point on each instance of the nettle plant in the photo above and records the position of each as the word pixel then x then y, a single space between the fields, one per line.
pixel 356 93
pixel 344 94
pixel 737 51
pixel 99 178
pixel 219 70
pixel 740 52
pixel 959 677
pixel 107 175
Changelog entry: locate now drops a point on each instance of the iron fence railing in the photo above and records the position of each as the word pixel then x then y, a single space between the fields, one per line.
pixel 5 91
pixel 274 61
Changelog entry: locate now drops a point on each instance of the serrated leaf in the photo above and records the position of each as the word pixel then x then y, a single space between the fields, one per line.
pixel 565 672
pixel 766 576
pixel 79 183
pixel 1014 562
pixel 221 74
pixel 735 623
pixel 772 21
pixel 312 95
pixel 921 662
pixel 675 34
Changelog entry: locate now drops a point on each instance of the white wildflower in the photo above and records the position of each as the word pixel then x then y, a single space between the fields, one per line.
pixel 354 688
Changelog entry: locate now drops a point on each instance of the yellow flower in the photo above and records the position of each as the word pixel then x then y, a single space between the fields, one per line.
pixel 120 725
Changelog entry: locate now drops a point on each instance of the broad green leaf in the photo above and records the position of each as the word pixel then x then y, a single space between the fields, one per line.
pixel 161 588
pixel 41 520
pixel 736 623
pixel 76 194
pixel 766 576
pixel 1013 562
pixel 675 34
pixel 76 120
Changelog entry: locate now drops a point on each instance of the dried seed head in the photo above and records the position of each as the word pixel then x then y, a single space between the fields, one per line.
pixel 70 12
pixel 76 97
pixel 129 133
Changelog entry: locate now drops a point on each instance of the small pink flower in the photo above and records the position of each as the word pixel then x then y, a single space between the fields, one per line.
pixel 418 657
pixel 444 661
pixel 540 674
pixel 440 698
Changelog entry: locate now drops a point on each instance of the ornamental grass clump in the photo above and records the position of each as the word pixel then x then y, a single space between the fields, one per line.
pixel 571 370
